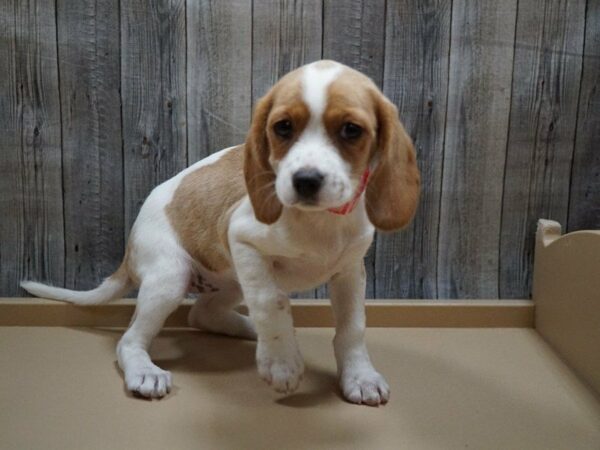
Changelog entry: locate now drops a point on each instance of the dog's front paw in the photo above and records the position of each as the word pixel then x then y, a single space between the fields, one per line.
pixel 148 381
pixel 280 365
pixel 364 386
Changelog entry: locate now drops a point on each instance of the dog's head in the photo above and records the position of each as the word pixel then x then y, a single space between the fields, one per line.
pixel 313 136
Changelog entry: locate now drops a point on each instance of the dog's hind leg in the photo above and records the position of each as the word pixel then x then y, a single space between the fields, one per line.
pixel 160 293
pixel 214 312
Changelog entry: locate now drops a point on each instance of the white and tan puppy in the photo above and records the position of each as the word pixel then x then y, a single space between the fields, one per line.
pixel 326 161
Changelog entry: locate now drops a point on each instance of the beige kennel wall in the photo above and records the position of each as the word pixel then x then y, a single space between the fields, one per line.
pixel 566 292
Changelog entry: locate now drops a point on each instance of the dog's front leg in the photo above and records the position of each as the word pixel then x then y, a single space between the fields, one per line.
pixel 277 355
pixel 359 381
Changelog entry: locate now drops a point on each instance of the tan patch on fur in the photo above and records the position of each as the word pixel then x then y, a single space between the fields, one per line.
pixel 201 207
pixel 223 225
pixel 263 146
pixel 394 187
pixel 357 108
pixel 297 112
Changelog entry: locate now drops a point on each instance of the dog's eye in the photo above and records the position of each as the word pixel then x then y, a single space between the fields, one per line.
pixel 350 131
pixel 283 128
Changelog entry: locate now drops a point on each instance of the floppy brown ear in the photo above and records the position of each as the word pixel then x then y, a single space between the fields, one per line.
pixel 258 173
pixel 393 189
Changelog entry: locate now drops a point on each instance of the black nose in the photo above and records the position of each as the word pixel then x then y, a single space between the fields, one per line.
pixel 307 182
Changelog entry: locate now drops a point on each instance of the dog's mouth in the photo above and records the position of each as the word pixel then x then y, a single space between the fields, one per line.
pixel 309 205
pixel 316 204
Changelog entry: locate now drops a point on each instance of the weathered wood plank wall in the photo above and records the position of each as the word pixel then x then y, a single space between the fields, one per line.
pixel 153 93
pixel 417 54
pixel 92 163
pixel 32 239
pixel 541 132
pixel 219 74
pixel 481 61
pixel 102 100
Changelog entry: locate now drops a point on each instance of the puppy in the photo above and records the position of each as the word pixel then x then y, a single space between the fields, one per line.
pixel 326 161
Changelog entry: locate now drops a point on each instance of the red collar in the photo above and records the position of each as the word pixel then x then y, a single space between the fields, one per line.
pixel 347 208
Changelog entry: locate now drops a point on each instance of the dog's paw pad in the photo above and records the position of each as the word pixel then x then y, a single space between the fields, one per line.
pixel 150 382
pixel 365 387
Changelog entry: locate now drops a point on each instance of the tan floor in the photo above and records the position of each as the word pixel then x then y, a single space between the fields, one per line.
pixel 451 389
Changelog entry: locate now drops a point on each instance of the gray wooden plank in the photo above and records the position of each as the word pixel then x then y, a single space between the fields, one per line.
pixel 219 36
pixel 31 209
pixel 354 34
pixel 416 80
pixel 286 34
pixel 546 76
pixel 481 60
pixel 584 201
pixel 88 51
pixel 153 90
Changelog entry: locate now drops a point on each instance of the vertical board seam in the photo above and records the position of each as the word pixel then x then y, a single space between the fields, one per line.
pixel 573 153
pixel 382 81
pixel 512 84
pixel 437 266
pixel 124 224
pixel 21 120
pixel 252 99
pixel 185 68
pixel 62 150
pixel 322 28
pixel 385 19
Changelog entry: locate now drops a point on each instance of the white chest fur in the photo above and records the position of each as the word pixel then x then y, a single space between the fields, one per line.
pixel 306 249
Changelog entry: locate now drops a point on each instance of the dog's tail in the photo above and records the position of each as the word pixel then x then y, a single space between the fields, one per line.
pixel 111 288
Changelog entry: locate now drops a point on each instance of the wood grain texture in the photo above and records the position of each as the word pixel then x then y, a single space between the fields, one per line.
pixel 547 71
pixel 584 201
pixel 416 80
pixel 31 208
pixel 481 60
pixel 354 34
pixel 219 36
pixel 88 51
pixel 101 100
pixel 153 89
pixel 285 35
